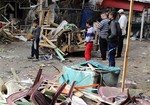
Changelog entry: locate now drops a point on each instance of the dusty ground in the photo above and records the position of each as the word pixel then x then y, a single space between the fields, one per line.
pixel 15 56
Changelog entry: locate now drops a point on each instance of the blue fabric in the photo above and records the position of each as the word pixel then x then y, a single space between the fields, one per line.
pixel 90 35
pixel 87 14
pixel 112 53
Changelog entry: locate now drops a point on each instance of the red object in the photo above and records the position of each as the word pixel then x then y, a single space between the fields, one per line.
pixel 83 87
pixel 64 91
pixel 88 50
pixel 125 4
pixel 1 25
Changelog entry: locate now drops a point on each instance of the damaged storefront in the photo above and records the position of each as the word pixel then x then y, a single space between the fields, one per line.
pixel 58 79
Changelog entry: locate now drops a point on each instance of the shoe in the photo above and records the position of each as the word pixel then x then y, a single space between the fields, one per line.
pixel 30 57
pixel 103 59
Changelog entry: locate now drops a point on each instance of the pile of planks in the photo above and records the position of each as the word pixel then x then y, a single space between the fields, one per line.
pixel 6 32
pixel 64 38
pixel 44 91
pixel 6 37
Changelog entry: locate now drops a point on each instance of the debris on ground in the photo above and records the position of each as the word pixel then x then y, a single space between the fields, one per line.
pixel 46 90
pixel 6 37
pixel 80 84
pixel 128 84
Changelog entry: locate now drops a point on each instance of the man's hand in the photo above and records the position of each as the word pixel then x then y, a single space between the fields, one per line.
pixel 82 30
pixel 85 43
pixel 96 24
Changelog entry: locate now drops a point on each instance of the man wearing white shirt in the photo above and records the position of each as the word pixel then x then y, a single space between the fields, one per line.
pixel 123 25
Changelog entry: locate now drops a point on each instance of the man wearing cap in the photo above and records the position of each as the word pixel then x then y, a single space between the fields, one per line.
pixel 123 25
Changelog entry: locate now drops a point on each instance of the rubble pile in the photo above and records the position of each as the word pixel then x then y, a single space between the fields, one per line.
pixel 46 90
pixel 5 38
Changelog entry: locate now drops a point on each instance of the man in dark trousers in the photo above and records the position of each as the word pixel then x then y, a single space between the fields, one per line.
pixel 35 41
pixel 123 25
pixel 112 38
pixel 103 27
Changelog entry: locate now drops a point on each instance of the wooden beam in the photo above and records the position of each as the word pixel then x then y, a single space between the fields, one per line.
pixel 8 21
pixel 80 38
pixel 47 22
pixel 51 43
pixel 46 45
pixel 57 50
pixel 41 13
pixel 43 10
pixel 127 46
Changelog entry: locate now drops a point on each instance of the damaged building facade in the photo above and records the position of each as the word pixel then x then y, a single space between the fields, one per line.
pixel 70 10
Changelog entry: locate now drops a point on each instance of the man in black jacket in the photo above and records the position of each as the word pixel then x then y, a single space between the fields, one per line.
pixel 112 38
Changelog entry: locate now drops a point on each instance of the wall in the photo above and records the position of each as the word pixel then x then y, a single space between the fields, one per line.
pixel 1 5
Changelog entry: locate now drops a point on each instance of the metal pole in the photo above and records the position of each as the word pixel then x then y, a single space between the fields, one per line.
pixel 83 4
pixel 142 25
pixel 127 46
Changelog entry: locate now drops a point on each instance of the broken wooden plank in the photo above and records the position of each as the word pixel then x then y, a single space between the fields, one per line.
pixel 5 26
pixel 80 38
pixel 16 77
pixel 95 97
pixel 57 50
pixel 8 21
pixel 51 43
pixel 47 45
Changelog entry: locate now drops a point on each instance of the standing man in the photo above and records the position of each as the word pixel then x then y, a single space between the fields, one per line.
pixel 103 27
pixel 35 41
pixel 112 38
pixel 123 25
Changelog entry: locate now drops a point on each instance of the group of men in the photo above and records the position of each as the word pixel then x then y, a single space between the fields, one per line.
pixel 110 40
pixel 111 37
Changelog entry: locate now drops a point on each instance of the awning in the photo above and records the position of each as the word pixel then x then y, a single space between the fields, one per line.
pixel 124 4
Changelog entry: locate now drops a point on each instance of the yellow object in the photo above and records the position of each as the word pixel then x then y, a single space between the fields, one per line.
pixel 29 36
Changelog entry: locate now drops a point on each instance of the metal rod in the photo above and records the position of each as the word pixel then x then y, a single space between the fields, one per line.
pixel 70 9
pixel 142 25
pixel 83 4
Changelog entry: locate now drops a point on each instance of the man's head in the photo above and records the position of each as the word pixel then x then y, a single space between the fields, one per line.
pixel 113 15
pixel 103 15
pixel 121 11
pixel 35 23
pixel 89 23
